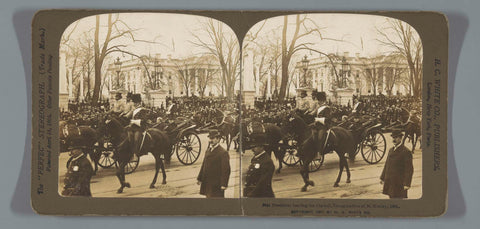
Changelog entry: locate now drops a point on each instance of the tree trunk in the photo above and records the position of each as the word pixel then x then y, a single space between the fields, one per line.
pixel 285 61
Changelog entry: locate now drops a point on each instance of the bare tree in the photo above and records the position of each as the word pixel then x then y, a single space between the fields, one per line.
pixel 396 71
pixel 224 47
pixel 185 70
pixel 116 29
pixel 289 47
pixel 206 76
pixel 370 72
pixel 405 41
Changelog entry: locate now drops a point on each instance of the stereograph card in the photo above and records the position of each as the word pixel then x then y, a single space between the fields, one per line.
pixel 239 113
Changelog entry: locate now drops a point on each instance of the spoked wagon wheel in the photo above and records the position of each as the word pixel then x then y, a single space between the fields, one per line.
pixel 131 165
pixel 106 156
pixel 189 148
pixel 290 158
pixel 316 163
pixel 373 147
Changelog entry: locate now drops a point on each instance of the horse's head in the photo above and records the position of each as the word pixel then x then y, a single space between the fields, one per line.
pixel 294 123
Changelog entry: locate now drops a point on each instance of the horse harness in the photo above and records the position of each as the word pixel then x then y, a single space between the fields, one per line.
pixel 329 131
pixel 145 133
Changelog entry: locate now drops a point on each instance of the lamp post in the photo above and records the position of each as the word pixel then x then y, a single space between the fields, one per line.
pixel 305 62
pixel 118 68
pixel 158 74
pixel 343 82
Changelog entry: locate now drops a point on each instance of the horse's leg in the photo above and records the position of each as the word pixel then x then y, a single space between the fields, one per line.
pixel 227 139
pixel 414 142
pixel 157 167
pixel 341 165
pixel 279 155
pixel 164 174
pixel 121 176
pixel 348 169
pixel 305 176
pixel 96 156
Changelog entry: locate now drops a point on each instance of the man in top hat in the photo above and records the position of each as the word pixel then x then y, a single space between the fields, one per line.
pixel 215 171
pixel 258 182
pixel 79 173
pixel 138 122
pixel 398 171
pixel 323 112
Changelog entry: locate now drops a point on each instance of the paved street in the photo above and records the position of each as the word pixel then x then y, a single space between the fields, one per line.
pixel 181 179
pixel 365 178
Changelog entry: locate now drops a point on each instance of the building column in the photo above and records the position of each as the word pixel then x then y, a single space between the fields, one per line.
pixel 269 85
pixel 70 85
pixel 196 81
pixel 257 82
pixel 81 87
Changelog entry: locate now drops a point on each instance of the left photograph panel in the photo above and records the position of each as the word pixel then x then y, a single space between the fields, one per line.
pixel 148 107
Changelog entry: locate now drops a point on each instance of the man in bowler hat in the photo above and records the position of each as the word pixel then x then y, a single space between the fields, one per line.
pixel 215 171
pixel 258 182
pixel 398 171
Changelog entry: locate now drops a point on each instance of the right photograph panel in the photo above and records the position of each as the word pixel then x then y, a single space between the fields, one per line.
pixel 332 108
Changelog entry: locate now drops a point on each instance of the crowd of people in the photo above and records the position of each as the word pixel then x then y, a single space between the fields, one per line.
pixel 386 109
pixel 208 110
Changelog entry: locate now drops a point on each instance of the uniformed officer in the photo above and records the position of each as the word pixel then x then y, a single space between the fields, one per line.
pixel 79 173
pixel 138 123
pixel 323 113
pixel 258 182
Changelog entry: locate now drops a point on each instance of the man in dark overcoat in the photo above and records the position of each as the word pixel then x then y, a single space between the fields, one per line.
pixel 215 171
pixel 258 182
pixel 398 171
pixel 79 173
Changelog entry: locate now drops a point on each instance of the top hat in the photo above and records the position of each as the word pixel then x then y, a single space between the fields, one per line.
pixel 213 134
pixel 396 133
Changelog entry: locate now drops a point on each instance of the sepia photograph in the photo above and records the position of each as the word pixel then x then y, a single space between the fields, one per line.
pixel 222 113
pixel 332 108
pixel 148 107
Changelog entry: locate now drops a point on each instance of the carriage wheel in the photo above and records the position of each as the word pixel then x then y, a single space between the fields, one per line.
pixel 373 147
pixel 106 156
pixel 290 158
pixel 131 165
pixel 316 163
pixel 188 148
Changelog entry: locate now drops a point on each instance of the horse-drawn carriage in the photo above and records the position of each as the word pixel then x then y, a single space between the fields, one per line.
pixel 370 142
pixel 183 136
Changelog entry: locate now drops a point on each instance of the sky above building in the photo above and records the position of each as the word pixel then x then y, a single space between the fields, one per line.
pixel 172 33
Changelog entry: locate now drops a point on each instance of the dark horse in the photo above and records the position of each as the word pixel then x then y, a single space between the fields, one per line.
pixel 413 132
pixel 273 135
pixel 79 136
pixel 322 140
pixel 154 141
pixel 228 129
